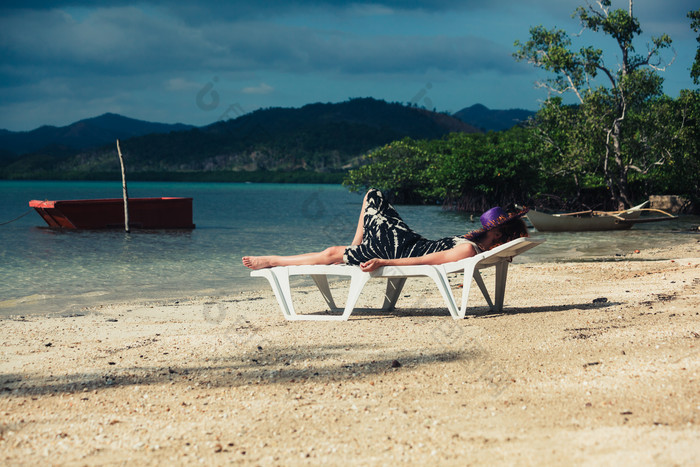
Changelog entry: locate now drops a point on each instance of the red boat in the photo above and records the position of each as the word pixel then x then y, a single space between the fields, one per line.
pixel 144 213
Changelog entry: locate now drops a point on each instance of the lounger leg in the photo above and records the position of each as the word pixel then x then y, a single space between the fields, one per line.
pixel 358 279
pixel 501 276
pixel 357 283
pixel 321 281
pixel 469 272
pixel 394 285
pixel 279 281
pixel 484 291
pixel 439 275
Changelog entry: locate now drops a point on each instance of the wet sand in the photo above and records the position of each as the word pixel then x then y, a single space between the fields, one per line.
pixel 591 363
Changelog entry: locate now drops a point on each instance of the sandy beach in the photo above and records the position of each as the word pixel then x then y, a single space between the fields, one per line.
pixel 592 363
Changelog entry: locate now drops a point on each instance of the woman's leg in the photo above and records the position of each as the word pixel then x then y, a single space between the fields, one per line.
pixel 360 231
pixel 330 255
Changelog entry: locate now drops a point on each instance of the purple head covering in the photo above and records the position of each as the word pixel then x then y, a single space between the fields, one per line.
pixel 493 218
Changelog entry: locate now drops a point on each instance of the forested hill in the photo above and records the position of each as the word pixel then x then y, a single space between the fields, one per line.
pixel 486 119
pixel 316 137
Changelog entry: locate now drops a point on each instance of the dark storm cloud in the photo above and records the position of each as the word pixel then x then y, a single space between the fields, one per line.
pixel 127 40
pixel 244 9
pixel 243 5
pixel 87 55
pixel 266 8
pixel 124 36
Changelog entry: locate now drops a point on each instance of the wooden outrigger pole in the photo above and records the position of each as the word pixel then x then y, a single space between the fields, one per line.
pixel 124 190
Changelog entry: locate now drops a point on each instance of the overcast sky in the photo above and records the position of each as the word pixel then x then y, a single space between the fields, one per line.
pixel 163 61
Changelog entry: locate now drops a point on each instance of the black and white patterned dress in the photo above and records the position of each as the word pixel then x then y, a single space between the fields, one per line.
pixel 386 235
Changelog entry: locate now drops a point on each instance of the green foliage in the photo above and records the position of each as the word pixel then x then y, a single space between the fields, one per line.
pixel 671 129
pixel 469 171
pixel 659 145
pixel 480 170
pixel 695 26
pixel 555 161
pixel 549 49
pixel 399 168
pixel 605 126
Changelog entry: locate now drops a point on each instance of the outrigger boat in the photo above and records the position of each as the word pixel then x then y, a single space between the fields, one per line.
pixel 593 220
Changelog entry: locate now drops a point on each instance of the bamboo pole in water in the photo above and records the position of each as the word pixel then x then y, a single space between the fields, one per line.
pixel 124 190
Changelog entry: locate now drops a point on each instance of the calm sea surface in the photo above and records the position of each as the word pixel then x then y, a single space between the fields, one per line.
pixel 51 271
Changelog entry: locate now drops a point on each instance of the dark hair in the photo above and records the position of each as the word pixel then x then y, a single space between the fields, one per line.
pixel 513 229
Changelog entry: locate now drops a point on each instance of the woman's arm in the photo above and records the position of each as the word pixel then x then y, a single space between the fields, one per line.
pixel 462 251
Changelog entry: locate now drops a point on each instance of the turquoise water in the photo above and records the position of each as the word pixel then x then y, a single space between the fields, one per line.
pixel 53 271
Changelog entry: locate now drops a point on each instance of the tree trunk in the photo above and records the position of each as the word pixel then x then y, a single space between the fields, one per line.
pixel 623 198
pixel 616 172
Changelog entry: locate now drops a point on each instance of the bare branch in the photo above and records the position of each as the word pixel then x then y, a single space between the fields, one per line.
pixel 574 89
pixel 655 66
pixel 609 74
pixel 604 11
pixel 661 161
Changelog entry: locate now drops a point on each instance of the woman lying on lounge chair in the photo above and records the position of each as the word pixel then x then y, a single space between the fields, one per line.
pixel 382 238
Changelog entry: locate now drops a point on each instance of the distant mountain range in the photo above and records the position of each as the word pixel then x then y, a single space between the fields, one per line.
pixel 316 137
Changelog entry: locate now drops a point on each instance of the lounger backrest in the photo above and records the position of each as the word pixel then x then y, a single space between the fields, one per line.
pixel 498 254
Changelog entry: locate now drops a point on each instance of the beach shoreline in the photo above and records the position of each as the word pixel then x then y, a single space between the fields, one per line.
pixel 591 363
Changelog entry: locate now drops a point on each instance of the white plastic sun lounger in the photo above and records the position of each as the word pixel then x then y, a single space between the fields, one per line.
pixel 499 257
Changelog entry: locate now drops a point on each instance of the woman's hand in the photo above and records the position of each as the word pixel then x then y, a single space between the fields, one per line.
pixel 371 265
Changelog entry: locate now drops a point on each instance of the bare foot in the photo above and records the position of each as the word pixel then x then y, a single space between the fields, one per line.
pixel 256 262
